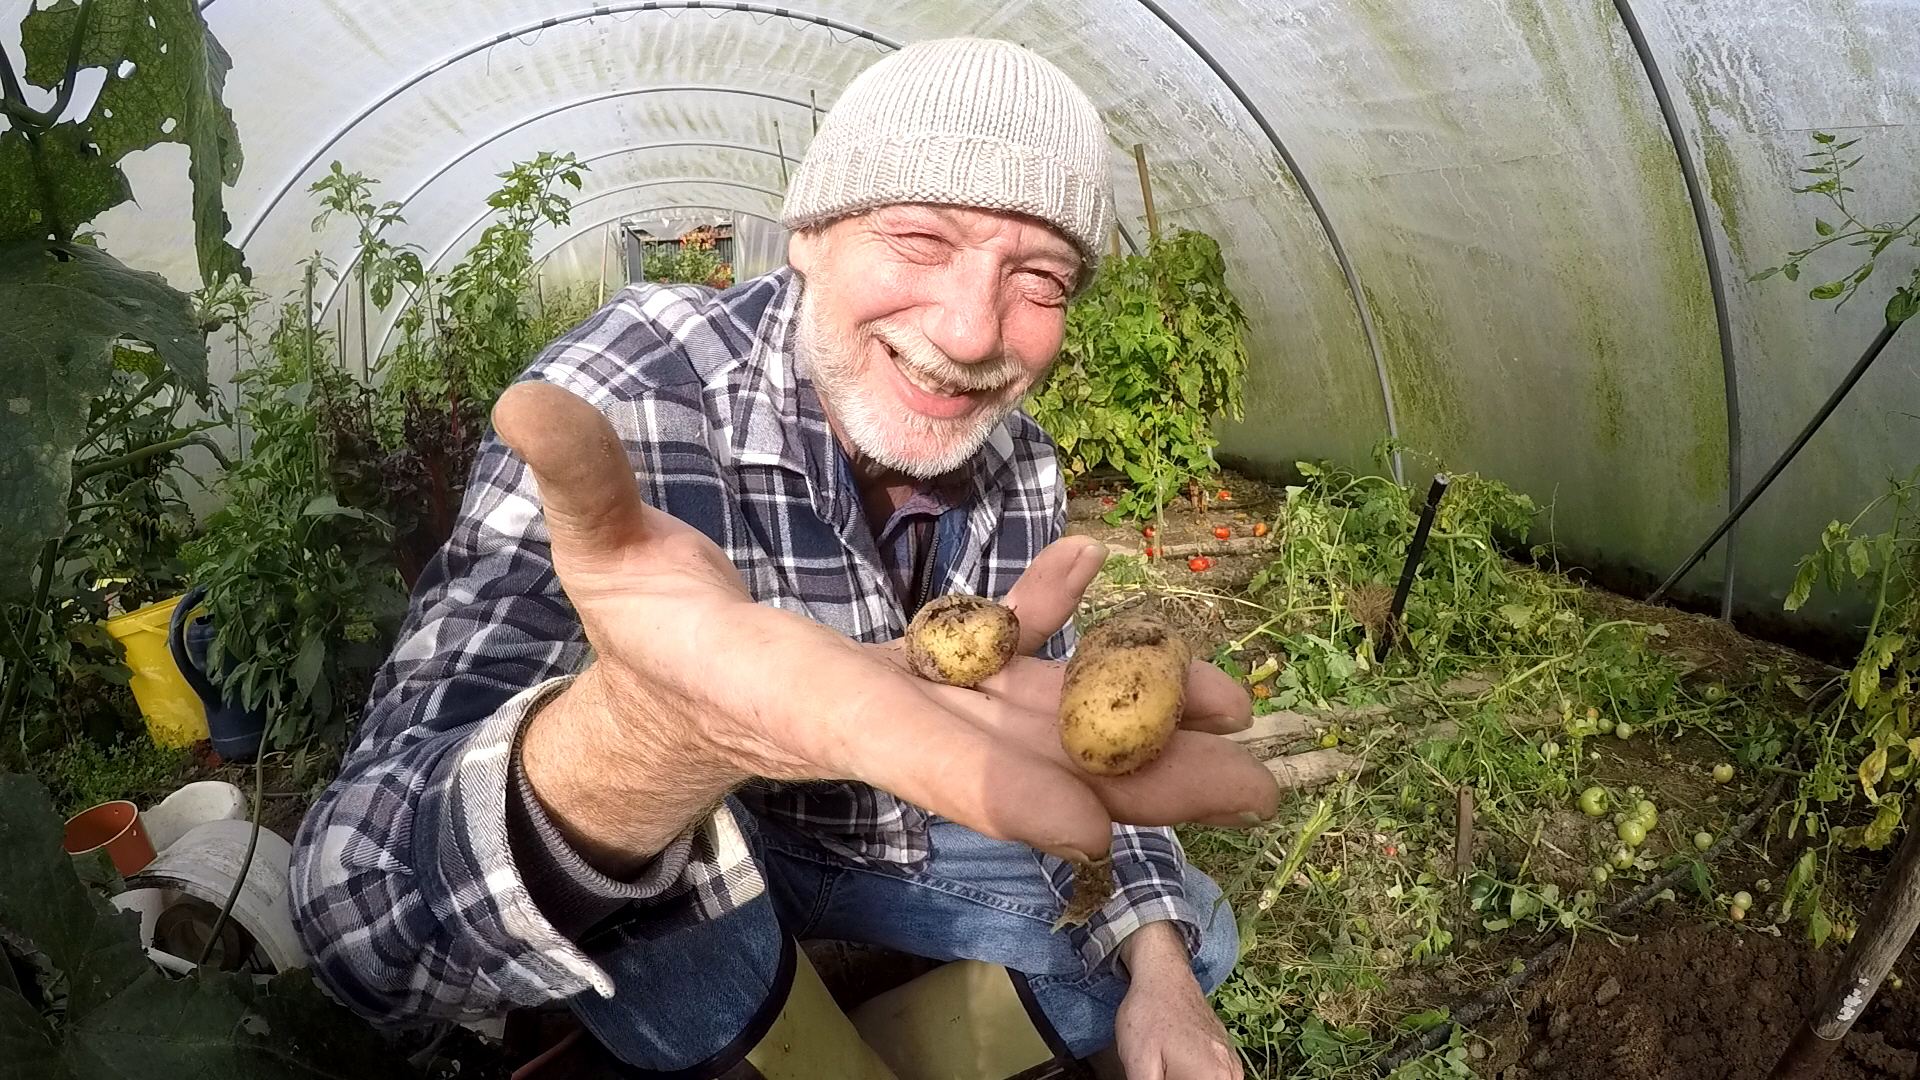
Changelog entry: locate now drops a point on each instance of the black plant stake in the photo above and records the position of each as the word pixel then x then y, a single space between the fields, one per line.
pixel 1414 551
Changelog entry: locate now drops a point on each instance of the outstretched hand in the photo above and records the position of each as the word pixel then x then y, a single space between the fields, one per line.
pixel 696 688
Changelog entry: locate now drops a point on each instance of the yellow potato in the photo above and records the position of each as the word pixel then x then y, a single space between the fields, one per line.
pixel 1123 692
pixel 961 640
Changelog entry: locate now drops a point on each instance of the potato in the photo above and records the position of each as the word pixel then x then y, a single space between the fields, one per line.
pixel 961 640
pixel 1123 692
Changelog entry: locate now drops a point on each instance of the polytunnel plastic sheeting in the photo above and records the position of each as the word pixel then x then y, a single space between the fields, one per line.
pixel 1495 171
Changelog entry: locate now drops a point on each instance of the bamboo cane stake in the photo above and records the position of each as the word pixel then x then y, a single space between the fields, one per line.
pixel 1883 935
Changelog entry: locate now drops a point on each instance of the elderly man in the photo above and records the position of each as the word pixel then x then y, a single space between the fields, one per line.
pixel 648 723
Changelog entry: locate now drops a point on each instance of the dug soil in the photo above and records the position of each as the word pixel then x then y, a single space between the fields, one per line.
pixel 1692 1002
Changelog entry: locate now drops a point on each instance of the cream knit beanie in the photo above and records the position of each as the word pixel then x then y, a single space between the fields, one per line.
pixel 961 122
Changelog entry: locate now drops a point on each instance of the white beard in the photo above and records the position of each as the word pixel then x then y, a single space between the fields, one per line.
pixel 885 433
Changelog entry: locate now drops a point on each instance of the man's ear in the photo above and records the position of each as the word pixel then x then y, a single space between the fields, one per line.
pixel 803 249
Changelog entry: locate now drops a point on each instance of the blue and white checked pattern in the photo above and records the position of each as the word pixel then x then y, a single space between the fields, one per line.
pixel 405 891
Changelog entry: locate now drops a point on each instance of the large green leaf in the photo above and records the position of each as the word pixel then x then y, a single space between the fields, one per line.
pixel 124 1019
pixel 224 1027
pixel 62 306
pixel 27 1047
pixel 72 181
pixel 43 903
pixel 164 77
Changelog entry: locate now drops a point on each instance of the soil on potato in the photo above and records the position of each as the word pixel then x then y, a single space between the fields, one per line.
pixel 1695 1002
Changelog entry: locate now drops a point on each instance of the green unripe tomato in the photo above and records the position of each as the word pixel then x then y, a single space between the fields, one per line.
pixel 1723 773
pixel 1702 840
pixel 1623 730
pixel 1549 749
pixel 1601 874
pixel 1715 692
pixel 1646 813
pixel 1622 858
pixel 1743 900
pixel 1593 802
pixel 1632 833
pixel 1603 726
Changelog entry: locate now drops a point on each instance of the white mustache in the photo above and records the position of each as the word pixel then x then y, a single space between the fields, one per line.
pixel 927 360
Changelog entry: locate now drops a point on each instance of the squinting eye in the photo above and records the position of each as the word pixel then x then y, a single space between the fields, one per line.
pixel 1047 287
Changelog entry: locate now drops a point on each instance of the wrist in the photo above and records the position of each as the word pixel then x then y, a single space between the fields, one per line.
pixel 615 773
pixel 1156 952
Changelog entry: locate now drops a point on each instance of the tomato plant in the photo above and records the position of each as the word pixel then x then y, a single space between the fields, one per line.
pixel 1154 351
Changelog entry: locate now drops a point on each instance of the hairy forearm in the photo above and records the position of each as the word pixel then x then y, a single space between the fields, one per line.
pixel 616 773
pixel 1155 950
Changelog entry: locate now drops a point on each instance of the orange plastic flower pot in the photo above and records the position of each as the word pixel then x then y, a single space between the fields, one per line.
pixel 115 826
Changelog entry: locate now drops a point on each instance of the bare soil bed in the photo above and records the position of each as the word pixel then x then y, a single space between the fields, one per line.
pixel 1693 1002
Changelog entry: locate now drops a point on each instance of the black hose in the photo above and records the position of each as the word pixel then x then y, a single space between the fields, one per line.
pixel 1716 276
pixel 246 864
pixel 1415 551
pixel 1833 402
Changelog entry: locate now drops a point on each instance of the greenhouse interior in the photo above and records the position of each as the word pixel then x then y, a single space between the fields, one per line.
pixel 1502 658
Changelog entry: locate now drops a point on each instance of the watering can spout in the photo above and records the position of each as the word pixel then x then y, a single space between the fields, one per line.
pixel 234 730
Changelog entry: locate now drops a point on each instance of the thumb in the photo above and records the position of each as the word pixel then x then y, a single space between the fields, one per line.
pixel 587 488
pixel 1048 592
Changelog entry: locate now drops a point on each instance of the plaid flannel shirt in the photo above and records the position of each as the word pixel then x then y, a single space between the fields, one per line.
pixel 406 890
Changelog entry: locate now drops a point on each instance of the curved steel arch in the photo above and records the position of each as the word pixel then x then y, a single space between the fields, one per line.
pixel 1716 284
pixel 561 244
pixel 721 6
pixel 340 282
pixel 615 190
pixel 387 334
pixel 1299 175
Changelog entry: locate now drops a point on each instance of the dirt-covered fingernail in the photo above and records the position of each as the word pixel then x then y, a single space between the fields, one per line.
pixel 1072 855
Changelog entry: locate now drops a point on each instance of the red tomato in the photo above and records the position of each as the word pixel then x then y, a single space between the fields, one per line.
pixel 1225 494
pixel 1199 563
pixel 1222 532
pixel 1147 532
pixel 1150 553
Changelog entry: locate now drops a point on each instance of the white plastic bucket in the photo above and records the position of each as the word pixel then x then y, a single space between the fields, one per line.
pixel 205 863
pixel 196 804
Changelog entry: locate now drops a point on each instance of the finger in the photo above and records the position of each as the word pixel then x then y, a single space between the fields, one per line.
pixel 1198 777
pixel 887 733
pixel 588 493
pixel 1048 592
pixel 1215 701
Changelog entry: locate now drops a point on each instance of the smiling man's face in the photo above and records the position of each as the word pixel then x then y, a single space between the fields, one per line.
pixel 923 326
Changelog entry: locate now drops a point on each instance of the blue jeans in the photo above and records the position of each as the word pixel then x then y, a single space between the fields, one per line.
pixel 685 997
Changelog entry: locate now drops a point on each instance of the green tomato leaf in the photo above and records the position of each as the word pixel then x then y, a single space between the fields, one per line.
pixel 1902 305
pixel 1803 583
pixel 62 307
pixel 1828 291
pixel 1819 927
pixel 1859 558
pixel 1822 227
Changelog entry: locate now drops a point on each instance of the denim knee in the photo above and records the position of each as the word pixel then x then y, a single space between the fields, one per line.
pixel 1219 933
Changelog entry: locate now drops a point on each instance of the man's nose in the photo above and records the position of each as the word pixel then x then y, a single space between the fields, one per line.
pixel 966 317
